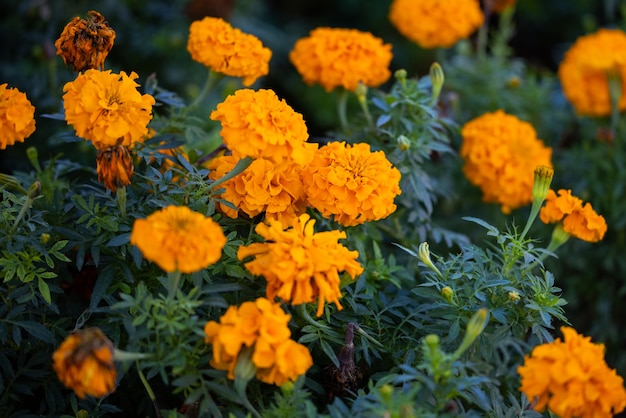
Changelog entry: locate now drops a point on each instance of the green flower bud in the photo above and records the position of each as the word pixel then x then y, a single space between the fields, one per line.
pixel 44 238
pixel 448 294
pixel 424 255
pixel 436 79
pixel 403 143
pixel 541 185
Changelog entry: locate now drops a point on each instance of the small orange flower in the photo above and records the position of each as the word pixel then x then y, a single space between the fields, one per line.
pixel 226 50
pixel 299 264
pixel 572 379
pixel 179 239
pixel 17 120
pixel 114 166
pixel 84 363
pixel 344 58
pixel 85 43
pixel 557 207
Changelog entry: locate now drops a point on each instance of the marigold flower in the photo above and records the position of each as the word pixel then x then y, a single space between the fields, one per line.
pixel 264 187
pixel 114 167
pixel 261 325
pixel 85 43
pixel 17 120
pixel 335 57
pixel 258 124
pixel 84 363
pixel 106 108
pixel 299 264
pixel 586 68
pixel 351 183
pixel 435 23
pixel 179 239
pixel 214 43
pixel 579 220
pixel 572 379
pixel 501 153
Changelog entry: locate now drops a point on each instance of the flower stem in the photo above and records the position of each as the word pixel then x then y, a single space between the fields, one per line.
pixel 121 201
pixel 342 102
pixel 305 315
pixel 173 279
pixel 212 79
pixel 151 394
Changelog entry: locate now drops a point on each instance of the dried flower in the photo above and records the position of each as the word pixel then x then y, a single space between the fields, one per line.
pixel 84 363
pixel 299 264
pixel 264 187
pixel 435 23
pixel 258 124
pixel 572 379
pixel 114 166
pixel 179 239
pixel 214 43
pixel 335 57
pixel 17 120
pixel 106 108
pixel 586 68
pixel 85 43
pixel 501 153
pixel 261 325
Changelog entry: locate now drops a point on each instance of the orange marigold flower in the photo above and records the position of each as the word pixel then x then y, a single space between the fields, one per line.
pixel 264 187
pixel 335 57
pixel 106 108
pixel 299 264
pixel 85 43
pixel 557 207
pixel 351 183
pixel 436 23
pixel 84 363
pixel 114 166
pixel 572 379
pixel 501 153
pixel 586 68
pixel 258 124
pixel 261 326
pixel 17 121
pixel 214 43
pixel 179 239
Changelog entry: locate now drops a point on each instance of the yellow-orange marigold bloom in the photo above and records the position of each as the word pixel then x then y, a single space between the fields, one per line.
pixel 85 43
pixel 17 121
pixel 557 207
pixel 334 57
pixel 264 187
pixel 262 326
pixel 299 264
pixel 84 363
pixel 351 183
pixel 179 239
pixel 436 23
pixel 106 108
pixel 214 43
pixel 501 153
pixel 586 67
pixel 258 124
pixel 114 166
pixel 571 378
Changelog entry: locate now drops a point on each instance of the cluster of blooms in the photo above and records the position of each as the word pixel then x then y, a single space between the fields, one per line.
pixel 435 23
pixel 579 221
pixel 299 264
pixel 501 153
pixel 334 57
pixel 262 327
pixel 84 363
pixel 586 68
pixel 17 121
pixel 179 239
pixel 214 43
pixel 571 378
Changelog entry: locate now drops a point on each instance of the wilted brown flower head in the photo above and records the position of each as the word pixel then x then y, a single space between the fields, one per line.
pixel 114 167
pixel 85 43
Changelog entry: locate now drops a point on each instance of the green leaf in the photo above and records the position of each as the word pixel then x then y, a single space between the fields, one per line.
pixel 44 289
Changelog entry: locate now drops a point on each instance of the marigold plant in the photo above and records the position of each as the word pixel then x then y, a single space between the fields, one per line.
pixel 84 363
pixel 351 183
pixel 435 23
pixel 299 264
pixel 258 124
pixel 106 108
pixel 587 67
pixel 501 153
pixel 262 326
pixel 335 57
pixel 179 239
pixel 85 43
pixel 571 378
pixel 17 121
pixel 214 43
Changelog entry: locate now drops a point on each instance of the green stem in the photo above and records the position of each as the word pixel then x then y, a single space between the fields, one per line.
pixel 342 102
pixel 212 79
pixel 148 389
pixel 366 111
pixel 173 279
pixel 305 315
pixel 534 211
pixel 120 194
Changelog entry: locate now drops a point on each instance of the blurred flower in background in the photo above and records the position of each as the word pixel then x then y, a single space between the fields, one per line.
pixel 17 116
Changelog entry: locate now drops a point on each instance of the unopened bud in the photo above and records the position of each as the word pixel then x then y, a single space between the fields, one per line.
pixel 432 341
pixel 404 143
pixel 400 75
pixel 448 294
pixel 361 91
pixel 44 238
pixel 475 327
pixel 514 82
pixel 423 254
pixel 386 391
pixel 436 79
pixel 514 296
pixel 541 185
pixel 34 190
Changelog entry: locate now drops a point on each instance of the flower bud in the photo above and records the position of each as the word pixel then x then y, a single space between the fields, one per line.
pixel 541 185
pixel 361 91
pixel 403 143
pixel 424 255
pixel 386 391
pixel 400 75
pixel 44 238
pixel 436 78
pixel 514 296
pixel 514 82
pixel 432 341
pixel 448 294
pixel 34 190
